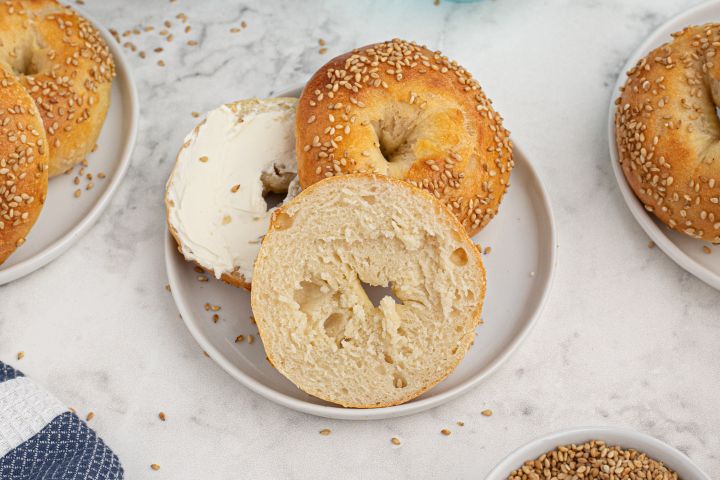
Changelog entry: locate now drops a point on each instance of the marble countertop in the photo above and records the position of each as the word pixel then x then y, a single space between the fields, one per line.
pixel 627 338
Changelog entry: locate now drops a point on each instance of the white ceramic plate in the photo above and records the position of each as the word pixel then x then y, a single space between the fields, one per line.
pixel 64 218
pixel 684 250
pixel 519 274
pixel 654 448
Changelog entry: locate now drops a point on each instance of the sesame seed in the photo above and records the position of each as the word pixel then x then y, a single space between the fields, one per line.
pixel 395 441
pixel 20 355
pixel 155 466
pixel 445 432
pixel 89 416
pixel 487 413
pixel 325 432
pixel 162 416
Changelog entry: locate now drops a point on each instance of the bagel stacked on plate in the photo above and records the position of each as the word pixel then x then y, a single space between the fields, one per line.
pixel 50 55
pixel 668 133
pixel 401 158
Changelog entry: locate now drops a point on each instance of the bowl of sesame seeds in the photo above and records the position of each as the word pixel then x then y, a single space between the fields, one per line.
pixel 601 453
pixel 698 257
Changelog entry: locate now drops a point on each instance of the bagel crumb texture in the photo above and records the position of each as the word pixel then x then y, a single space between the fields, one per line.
pixel 323 322
pixel 668 135
pixel 399 109
pixel 593 460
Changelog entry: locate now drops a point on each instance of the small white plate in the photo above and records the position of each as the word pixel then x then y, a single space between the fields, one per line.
pixel 654 448
pixel 519 273
pixel 64 218
pixel 684 250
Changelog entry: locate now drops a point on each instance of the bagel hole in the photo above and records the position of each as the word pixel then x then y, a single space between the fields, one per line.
pixel 25 63
pixel 396 135
pixel 377 292
pixel 273 199
pixel 459 257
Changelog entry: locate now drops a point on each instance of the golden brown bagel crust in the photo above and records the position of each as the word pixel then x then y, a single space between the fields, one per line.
pixel 426 113
pixel 64 63
pixel 668 134
pixel 23 164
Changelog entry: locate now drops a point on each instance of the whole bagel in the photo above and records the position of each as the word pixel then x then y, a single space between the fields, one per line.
pixel 23 164
pixel 668 133
pixel 66 66
pixel 399 109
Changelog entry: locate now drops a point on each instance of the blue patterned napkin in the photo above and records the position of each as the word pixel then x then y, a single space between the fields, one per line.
pixel 41 440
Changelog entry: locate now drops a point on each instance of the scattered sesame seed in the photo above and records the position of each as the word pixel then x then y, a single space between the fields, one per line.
pixel 322 51
pixel 155 466
pixel 487 413
pixel 89 416
pixel 395 441
pixel 651 244
pixel 325 432
pixel 445 432
pixel 239 338
pixel 20 355
pixel 460 424
pixel 707 250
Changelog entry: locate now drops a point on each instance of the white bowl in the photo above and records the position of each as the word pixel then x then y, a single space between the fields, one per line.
pixel 519 274
pixel 684 250
pixel 64 218
pixel 641 442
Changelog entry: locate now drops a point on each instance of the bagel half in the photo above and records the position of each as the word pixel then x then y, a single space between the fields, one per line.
pixel 668 133
pixel 216 194
pixel 399 109
pixel 318 325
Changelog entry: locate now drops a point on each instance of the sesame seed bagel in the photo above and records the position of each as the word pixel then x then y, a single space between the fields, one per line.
pixel 66 66
pixel 23 164
pixel 319 326
pixel 399 109
pixel 668 132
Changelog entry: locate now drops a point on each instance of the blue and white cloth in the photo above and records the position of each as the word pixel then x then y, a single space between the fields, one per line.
pixel 41 440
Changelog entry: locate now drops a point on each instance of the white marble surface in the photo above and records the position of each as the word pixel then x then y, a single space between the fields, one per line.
pixel 627 338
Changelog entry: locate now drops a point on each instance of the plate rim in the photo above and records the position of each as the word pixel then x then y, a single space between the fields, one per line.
pixel 638 211
pixel 62 244
pixel 415 406
pixel 517 455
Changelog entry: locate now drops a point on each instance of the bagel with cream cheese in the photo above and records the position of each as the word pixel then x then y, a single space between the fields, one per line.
pixel 215 197
pixel 399 109
pixel 668 133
